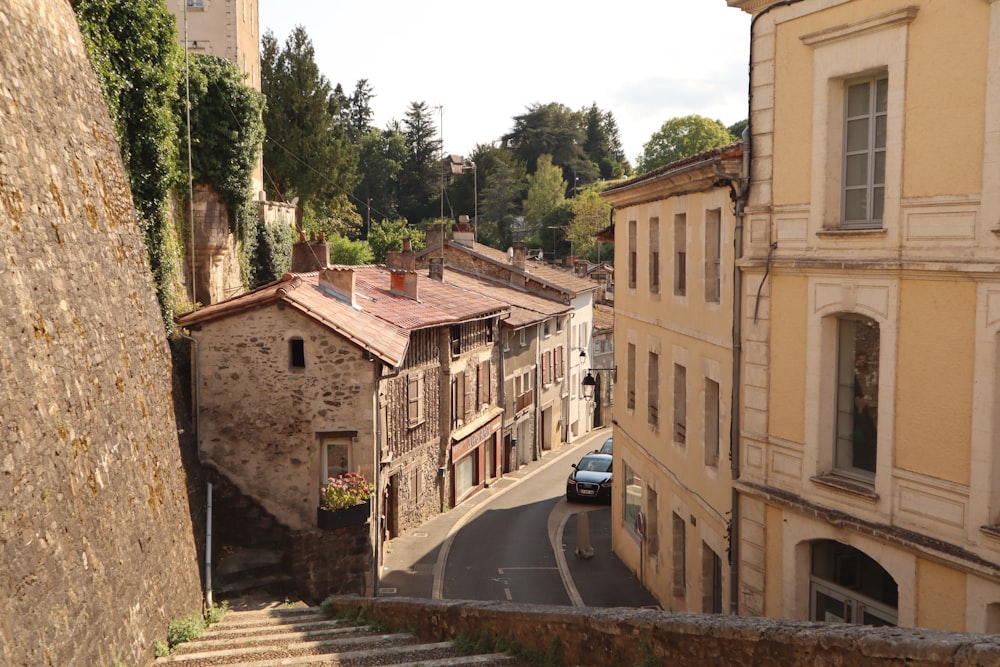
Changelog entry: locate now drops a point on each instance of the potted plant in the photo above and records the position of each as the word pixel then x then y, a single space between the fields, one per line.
pixel 345 500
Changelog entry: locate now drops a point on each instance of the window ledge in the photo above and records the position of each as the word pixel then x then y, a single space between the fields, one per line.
pixel 992 530
pixel 841 232
pixel 851 486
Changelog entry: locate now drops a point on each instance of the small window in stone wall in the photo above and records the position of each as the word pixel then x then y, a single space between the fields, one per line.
pixel 297 353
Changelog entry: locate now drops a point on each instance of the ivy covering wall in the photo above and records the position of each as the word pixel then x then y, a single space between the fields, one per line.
pixel 141 68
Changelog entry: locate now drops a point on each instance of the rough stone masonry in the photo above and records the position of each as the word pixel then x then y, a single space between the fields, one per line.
pixel 96 539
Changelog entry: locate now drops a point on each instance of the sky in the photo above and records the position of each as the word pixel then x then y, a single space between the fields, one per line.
pixel 479 64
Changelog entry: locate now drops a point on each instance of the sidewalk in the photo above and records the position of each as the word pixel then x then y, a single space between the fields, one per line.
pixel 413 563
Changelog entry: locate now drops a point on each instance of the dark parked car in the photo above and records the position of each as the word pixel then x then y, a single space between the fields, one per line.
pixel 590 479
pixel 606 447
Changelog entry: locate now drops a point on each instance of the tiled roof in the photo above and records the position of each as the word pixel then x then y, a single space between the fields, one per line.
pixel 526 308
pixel 604 317
pixel 559 279
pixel 722 152
pixel 382 321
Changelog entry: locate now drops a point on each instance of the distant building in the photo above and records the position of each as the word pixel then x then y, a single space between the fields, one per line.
pixel 673 332
pixel 333 369
pixel 564 415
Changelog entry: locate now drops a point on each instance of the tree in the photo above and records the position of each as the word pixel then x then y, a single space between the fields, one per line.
pixel 603 145
pixel 226 135
pixel 591 214
pixel 358 110
pixel 554 130
pixel 346 251
pixel 389 234
pixel 382 154
pixel 736 129
pixel 503 180
pixel 308 153
pixel 546 189
pixel 422 177
pixel 682 137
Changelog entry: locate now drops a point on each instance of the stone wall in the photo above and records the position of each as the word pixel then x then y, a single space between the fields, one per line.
pixel 616 636
pixel 96 532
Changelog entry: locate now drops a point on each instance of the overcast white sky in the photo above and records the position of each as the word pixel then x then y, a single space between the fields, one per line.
pixel 485 62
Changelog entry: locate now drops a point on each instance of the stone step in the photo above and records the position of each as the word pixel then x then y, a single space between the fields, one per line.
pixel 290 636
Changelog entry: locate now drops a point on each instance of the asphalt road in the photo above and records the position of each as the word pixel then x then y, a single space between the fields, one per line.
pixel 508 551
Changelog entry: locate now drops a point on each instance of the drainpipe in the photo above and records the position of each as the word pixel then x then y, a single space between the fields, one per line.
pixel 734 430
pixel 196 401
pixel 734 422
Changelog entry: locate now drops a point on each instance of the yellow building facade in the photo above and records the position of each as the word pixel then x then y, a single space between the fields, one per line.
pixel 673 333
pixel 869 475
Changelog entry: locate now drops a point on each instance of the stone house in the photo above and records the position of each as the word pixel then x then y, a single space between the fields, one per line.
pixel 869 472
pixel 370 369
pixel 675 229
pixel 534 363
pixel 563 409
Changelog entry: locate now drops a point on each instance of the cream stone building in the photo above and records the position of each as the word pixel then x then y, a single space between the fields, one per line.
pixel 869 475
pixel 673 331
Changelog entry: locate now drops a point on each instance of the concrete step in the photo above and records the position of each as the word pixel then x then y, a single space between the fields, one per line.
pixel 305 636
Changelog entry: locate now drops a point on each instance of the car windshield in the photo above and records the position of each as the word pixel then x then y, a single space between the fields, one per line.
pixel 594 464
pixel 606 447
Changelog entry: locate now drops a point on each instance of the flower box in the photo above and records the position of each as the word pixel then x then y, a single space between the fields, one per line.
pixel 348 516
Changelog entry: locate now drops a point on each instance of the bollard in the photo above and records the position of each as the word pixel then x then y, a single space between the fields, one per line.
pixel 583 547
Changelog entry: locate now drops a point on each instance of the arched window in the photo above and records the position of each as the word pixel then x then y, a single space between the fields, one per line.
pixel 856 442
pixel 847 586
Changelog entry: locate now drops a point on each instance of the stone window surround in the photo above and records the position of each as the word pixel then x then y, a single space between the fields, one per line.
pixel 871 46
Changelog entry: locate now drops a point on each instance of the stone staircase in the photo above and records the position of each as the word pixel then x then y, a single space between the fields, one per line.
pixel 306 636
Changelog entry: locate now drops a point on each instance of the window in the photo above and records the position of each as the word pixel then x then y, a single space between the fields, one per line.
pixel 680 575
pixel 484 395
pixel 297 353
pixel 630 361
pixel 415 399
pixel 455 333
pixel 653 390
pixel 632 243
pixel 559 325
pixel 335 459
pixel 857 397
pixel 547 328
pixel 865 114
pixel 713 255
pixel 680 404
pixel 560 362
pixel 711 581
pixel 654 255
pixel 848 586
pixel 524 338
pixel 196 4
pixel 547 367
pixel 711 422
pixel 680 254
pixel 457 400
pixel 631 497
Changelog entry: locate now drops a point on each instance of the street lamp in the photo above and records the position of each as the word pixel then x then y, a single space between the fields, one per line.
pixel 590 382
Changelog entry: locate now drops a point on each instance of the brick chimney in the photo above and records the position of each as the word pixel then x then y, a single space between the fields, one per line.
pixel 403 272
pixel 311 255
pixel 434 233
pixel 464 234
pixel 435 268
pixel 519 255
pixel 339 283
pixel 517 261
pixel 580 267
